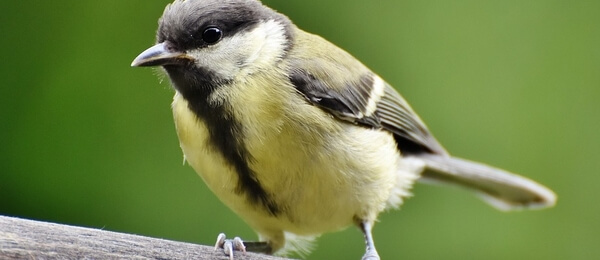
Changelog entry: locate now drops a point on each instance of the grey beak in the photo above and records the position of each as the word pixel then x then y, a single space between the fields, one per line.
pixel 158 55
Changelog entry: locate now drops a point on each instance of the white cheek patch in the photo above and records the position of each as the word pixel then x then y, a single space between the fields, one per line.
pixel 245 52
pixel 269 43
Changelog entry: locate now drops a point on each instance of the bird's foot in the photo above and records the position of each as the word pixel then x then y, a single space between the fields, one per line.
pixel 371 255
pixel 230 245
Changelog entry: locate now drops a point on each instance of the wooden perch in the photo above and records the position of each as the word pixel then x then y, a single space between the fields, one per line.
pixel 28 239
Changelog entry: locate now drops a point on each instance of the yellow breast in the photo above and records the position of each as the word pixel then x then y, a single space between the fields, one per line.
pixel 323 176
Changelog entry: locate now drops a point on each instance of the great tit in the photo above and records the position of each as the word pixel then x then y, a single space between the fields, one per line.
pixel 294 134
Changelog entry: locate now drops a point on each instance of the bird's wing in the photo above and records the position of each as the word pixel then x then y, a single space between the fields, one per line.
pixel 368 101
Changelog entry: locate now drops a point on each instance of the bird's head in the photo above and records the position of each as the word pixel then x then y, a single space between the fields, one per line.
pixel 204 43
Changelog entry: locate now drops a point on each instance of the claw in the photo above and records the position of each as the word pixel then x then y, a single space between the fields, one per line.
pixel 238 244
pixel 220 241
pixel 228 249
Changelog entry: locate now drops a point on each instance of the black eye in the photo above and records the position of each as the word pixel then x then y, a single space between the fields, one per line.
pixel 212 35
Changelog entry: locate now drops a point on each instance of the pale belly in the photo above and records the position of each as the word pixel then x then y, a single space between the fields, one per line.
pixel 323 179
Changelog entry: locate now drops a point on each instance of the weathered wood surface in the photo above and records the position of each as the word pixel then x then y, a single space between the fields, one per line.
pixel 29 239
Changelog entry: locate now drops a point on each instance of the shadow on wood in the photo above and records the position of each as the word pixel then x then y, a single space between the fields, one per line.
pixel 29 239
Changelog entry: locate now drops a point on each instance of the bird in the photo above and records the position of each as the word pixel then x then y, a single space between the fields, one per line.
pixel 297 136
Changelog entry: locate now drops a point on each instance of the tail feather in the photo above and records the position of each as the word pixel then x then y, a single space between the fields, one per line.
pixel 501 189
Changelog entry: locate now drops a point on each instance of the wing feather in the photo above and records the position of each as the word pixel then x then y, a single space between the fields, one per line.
pixel 351 102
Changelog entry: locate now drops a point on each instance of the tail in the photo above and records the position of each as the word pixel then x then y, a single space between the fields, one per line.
pixel 501 189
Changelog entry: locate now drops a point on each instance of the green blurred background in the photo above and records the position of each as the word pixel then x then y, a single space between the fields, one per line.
pixel 89 141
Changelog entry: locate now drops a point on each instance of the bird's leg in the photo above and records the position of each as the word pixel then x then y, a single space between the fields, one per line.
pixel 371 252
pixel 237 244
